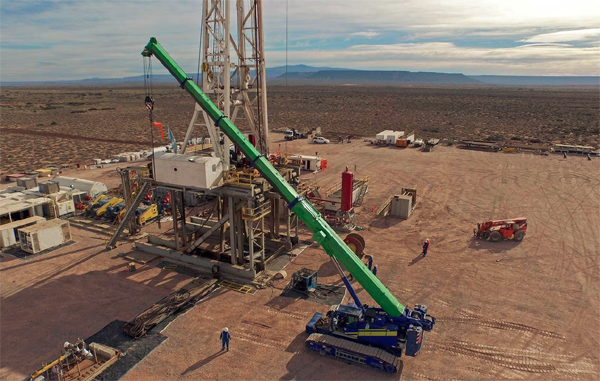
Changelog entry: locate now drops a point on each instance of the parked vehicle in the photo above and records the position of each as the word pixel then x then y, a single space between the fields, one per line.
pixel 293 134
pixel 496 230
pixel 320 140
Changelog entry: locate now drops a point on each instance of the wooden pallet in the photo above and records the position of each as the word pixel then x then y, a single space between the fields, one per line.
pixel 236 287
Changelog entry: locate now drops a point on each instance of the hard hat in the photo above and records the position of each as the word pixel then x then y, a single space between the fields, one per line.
pixel 225 329
pixel 426 239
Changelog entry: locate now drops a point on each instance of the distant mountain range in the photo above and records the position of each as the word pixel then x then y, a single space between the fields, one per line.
pixel 311 75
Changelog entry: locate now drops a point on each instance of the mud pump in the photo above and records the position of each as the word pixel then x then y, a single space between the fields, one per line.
pixel 368 335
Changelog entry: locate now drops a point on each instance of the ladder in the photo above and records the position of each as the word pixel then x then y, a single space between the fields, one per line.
pixel 361 195
pixel 130 213
pixel 52 210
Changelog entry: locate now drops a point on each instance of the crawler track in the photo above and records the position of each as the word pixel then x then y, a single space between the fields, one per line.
pixel 352 352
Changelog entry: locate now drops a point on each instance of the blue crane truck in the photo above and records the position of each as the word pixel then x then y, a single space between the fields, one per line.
pixel 356 333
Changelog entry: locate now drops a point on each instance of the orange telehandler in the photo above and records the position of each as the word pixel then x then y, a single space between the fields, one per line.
pixel 495 230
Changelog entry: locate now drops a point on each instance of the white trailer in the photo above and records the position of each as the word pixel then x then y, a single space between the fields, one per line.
pixel 92 188
pixel 306 162
pixel 9 232
pixel 44 236
pixel 392 136
pixel 382 136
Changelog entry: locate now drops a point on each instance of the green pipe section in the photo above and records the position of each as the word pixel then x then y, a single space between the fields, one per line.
pixel 322 232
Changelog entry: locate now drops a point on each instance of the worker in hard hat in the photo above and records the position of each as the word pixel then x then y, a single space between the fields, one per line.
pixel 425 246
pixel 225 336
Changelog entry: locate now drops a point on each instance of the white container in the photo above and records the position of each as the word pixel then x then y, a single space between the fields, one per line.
pixel 392 136
pixel 190 171
pixel 44 236
pixel 401 206
pixel 383 135
pixel 65 208
pixel 90 187
pixel 8 232
pixel 309 163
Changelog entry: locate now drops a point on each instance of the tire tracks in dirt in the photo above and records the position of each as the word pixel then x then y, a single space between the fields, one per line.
pixel 541 358
pixel 473 319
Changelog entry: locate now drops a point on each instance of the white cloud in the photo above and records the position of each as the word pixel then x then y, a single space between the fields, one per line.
pixel 447 57
pixel 335 16
pixel 365 34
pixel 104 38
pixel 567 35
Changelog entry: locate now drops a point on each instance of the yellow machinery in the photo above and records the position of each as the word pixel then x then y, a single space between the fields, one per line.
pixel 146 213
pixel 121 214
pixel 94 202
pixel 114 201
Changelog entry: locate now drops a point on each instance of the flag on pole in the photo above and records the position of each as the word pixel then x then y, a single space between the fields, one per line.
pixel 171 137
pixel 159 125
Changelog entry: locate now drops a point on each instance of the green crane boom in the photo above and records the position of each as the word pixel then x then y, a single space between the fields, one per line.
pixel 323 233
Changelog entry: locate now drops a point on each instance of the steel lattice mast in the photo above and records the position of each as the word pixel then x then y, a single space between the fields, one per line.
pixel 233 71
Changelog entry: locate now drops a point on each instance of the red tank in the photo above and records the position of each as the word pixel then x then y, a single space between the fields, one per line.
pixel 347 188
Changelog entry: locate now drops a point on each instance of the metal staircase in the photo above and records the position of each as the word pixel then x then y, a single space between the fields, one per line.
pixel 130 213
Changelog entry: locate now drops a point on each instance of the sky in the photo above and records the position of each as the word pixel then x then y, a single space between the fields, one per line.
pixel 67 40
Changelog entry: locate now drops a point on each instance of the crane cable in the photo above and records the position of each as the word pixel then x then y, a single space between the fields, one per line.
pixel 149 101
pixel 286 42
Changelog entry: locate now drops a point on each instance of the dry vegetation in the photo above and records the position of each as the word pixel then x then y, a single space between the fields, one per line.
pixel 60 125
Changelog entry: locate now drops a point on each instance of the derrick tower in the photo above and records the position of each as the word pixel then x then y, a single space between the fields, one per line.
pixel 233 71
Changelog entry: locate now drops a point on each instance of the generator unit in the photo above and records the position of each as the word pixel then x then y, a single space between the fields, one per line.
pixel 304 280
pixel 9 232
pixel 49 187
pixel 27 182
pixel 45 235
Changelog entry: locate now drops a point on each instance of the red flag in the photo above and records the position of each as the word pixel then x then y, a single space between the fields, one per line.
pixel 159 125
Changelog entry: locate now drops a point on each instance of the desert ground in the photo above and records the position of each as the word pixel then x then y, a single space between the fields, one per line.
pixel 506 310
pixel 60 125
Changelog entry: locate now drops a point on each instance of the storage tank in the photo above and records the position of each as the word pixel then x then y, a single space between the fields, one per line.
pixel 92 188
pixel 347 187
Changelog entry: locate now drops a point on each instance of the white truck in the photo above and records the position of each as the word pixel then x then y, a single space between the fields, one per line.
pixel 293 134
